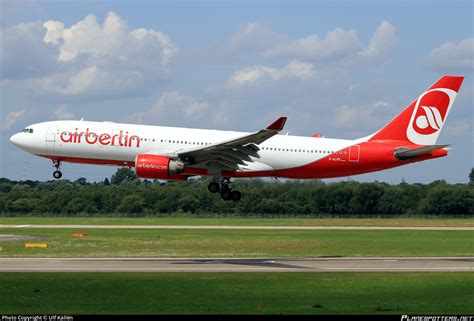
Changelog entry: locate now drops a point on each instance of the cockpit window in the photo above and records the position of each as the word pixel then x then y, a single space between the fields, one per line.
pixel 27 130
pixel 31 130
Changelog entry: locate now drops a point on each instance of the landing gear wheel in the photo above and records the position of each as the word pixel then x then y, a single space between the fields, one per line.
pixel 213 187
pixel 236 196
pixel 226 195
pixel 57 174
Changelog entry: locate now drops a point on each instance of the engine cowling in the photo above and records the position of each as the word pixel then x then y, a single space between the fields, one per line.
pixel 158 167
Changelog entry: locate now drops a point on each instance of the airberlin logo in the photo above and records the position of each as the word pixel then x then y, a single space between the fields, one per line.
pixel 431 112
pixel 151 166
pixel 91 138
pixel 431 119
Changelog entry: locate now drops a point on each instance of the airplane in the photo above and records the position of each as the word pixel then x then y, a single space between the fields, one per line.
pixel 171 153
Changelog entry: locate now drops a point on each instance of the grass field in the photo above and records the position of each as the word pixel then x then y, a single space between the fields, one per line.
pixel 238 293
pixel 239 243
pixel 265 293
pixel 403 221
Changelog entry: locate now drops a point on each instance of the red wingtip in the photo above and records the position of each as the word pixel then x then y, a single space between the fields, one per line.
pixel 277 124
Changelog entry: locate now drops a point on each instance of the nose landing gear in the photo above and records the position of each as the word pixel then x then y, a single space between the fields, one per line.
pixel 57 173
pixel 226 188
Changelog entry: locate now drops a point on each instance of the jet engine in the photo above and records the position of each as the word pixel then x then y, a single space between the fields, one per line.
pixel 158 167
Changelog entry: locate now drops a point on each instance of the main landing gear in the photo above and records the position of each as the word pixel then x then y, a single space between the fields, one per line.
pixel 226 188
pixel 57 173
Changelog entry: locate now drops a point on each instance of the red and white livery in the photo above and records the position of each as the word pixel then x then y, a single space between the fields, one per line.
pixel 170 153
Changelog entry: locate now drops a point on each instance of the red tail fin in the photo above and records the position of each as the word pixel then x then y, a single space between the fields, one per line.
pixel 422 121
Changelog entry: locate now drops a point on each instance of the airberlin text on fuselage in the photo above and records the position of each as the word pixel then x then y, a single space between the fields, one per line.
pixel 119 139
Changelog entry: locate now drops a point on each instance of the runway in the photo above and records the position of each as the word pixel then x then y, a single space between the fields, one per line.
pixel 244 227
pixel 387 264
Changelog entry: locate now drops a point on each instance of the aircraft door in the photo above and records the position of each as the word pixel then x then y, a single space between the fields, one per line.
pixel 354 153
pixel 51 133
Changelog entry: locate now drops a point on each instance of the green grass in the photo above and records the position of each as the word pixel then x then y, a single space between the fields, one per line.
pixel 240 243
pixel 402 221
pixel 213 293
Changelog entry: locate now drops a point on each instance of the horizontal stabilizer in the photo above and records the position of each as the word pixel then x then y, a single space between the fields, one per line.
pixel 406 153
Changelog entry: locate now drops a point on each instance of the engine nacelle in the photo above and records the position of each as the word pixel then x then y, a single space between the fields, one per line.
pixel 158 167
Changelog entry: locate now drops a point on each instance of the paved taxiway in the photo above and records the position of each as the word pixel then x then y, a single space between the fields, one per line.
pixel 397 264
pixel 245 227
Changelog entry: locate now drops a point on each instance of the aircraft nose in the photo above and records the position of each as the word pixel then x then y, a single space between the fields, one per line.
pixel 14 139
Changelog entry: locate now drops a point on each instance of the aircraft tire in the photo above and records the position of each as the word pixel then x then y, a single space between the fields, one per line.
pixel 57 174
pixel 213 187
pixel 236 196
pixel 226 195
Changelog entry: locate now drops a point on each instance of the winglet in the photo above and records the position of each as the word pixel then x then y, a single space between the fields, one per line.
pixel 277 124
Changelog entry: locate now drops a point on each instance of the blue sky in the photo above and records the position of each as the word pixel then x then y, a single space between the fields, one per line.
pixel 341 68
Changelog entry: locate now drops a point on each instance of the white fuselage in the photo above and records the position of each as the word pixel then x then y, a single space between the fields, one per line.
pixel 177 153
pixel 119 142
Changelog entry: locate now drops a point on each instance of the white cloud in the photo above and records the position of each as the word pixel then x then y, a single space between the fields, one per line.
pixel 173 108
pixel 54 32
pixel 255 37
pixel 23 54
pixel 382 43
pixel 110 39
pixel 63 113
pixel 453 57
pixel 371 115
pixel 93 59
pixel 12 118
pixel 337 46
pixel 261 74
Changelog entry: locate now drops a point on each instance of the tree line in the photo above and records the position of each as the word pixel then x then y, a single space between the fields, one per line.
pixel 125 194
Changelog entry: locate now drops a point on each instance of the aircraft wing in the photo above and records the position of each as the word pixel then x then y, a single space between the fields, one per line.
pixel 231 153
pixel 406 153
